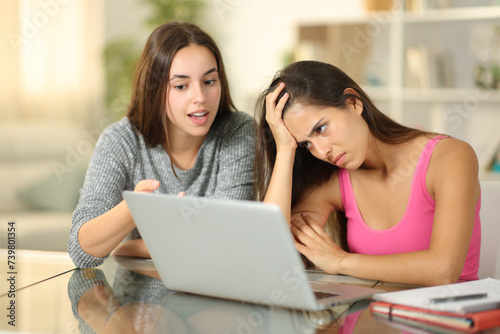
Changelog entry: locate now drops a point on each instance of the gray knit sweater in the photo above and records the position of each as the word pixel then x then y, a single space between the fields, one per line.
pixel 121 158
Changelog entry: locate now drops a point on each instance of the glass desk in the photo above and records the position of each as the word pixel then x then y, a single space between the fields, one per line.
pixel 43 293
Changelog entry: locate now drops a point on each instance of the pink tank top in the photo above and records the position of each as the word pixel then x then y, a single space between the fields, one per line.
pixel 413 231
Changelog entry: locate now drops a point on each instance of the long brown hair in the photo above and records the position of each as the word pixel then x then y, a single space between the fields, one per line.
pixel 147 109
pixel 320 84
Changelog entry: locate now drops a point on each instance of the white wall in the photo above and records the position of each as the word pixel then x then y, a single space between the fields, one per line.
pixel 256 35
pixel 125 18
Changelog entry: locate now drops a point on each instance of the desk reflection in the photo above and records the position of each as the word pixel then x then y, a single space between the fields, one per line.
pixel 138 303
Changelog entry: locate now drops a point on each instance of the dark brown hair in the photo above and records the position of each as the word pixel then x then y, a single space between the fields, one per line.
pixel 147 110
pixel 324 85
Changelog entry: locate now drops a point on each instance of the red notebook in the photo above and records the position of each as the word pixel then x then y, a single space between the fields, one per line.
pixel 468 322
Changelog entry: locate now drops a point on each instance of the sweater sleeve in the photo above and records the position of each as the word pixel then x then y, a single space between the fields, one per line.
pixel 235 175
pixel 105 180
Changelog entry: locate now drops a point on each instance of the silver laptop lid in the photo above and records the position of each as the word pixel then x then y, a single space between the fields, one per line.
pixel 231 249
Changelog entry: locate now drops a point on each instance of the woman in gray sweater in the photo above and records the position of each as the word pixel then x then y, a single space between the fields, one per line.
pixel 182 134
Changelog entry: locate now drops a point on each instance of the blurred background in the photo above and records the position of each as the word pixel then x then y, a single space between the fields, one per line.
pixel 66 69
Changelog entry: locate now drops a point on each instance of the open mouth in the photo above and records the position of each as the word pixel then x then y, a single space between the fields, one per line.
pixel 199 117
pixel 198 114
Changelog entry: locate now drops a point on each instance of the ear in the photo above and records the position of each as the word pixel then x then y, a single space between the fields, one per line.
pixel 352 102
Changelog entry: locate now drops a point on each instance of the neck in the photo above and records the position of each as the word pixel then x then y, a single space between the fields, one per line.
pixel 383 157
pixel 183 149
pixel 392 158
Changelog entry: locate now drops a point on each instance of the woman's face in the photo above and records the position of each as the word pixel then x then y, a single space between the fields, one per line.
pixel 193 92
pixel 337 136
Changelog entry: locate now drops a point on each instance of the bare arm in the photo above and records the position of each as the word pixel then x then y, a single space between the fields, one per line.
pixel 280 186
pixel 318 201
pixel 452 181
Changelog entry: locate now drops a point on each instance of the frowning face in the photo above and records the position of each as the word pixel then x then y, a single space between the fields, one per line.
pixel 337 136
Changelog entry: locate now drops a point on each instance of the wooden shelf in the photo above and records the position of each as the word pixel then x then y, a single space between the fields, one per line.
pixel 449 95
pixel 425 16
pixel 453 14
pixel 436 95
pixel 489 176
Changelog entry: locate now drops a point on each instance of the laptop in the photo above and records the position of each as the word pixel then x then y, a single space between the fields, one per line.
pixel 240 250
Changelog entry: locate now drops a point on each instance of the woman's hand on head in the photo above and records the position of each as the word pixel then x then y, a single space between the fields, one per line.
pixel 274 113
pixel 147 186
pixel 315 244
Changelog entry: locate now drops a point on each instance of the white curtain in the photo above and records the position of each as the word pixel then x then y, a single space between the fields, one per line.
pixel 53 69
pixel 9 74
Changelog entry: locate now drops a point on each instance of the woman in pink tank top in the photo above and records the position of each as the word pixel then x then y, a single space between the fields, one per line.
pixel 407 201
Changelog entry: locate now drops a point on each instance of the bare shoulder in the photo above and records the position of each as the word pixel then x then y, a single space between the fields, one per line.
pixel 452 151
pixel 453 162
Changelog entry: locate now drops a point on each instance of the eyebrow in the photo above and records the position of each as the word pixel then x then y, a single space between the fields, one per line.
pixel 312 130
pixel 182 76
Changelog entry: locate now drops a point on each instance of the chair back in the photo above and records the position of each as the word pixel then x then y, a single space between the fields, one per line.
pixel 489 264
